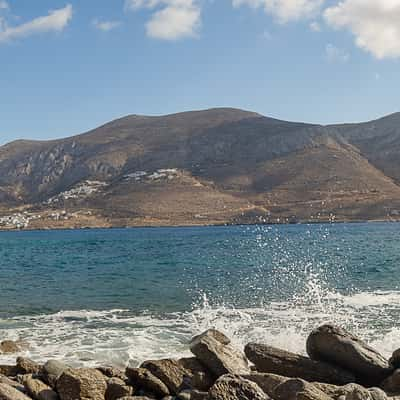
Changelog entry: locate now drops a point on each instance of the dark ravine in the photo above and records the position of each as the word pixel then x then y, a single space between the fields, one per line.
pixel 219 371
pixel 218 166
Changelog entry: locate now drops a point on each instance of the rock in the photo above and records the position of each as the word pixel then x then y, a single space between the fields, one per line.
pixel 9 347
pixel 52 370
pixel 328 389
pixel 38 390
pixel 392 383
pixel 230 387
pixel 144 379
pixel 218 356
pixel 377 394
pixel 27 366
pixel 171 372
pixel 200 378
pixel 215 334
pixel 81 383
pixel 116 388
pixel 192 395
pixel 336 346
pixel 14 384
pixel 8 392
pixel 137 398
pixel 8 370
pixel 351 390
pixel 269 359
pixel 358 393
pixel 394 361
pixel 267 382
pixel 111 372
pixel 298 389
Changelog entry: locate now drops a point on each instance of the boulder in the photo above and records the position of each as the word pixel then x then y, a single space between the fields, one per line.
pixel 272 360
pixel 8 370
pixel 394 360
pixel 192 395
pixel 14 384
pixel 81 383
pixel 337 392
pixel 144 379
pixel 52 370
pixel 112 372
pixel 267 382
pixel 116 388
pixel 199 378
pixel 27 366
pixel 357 392
pixel 38 390
pixel 298 389
pixel 336 346
pixel 215 334
pixel 8 392
pixel 219 356
pixel 392 383
pixel 171 372
pixel 377 394
pixel 9 347
pixel 231 387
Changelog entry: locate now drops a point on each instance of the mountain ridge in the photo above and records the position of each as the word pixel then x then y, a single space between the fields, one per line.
pixel 221 165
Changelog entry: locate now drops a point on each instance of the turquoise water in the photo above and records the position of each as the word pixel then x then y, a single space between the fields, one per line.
pixel 120 296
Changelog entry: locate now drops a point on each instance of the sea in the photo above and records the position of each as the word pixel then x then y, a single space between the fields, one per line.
pixel 121 296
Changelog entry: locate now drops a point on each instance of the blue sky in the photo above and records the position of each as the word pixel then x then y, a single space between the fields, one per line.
pixel 68 66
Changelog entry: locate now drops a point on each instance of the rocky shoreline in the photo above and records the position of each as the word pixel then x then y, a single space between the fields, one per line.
pixel 339 366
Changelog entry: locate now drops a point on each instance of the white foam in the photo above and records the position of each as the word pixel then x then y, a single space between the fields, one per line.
pixel 119 337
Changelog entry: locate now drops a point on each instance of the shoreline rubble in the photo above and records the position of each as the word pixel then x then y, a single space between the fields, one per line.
pixel 339 366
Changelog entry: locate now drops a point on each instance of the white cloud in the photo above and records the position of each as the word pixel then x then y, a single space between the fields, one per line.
pixel 336 54
pixel 285 10
pixel 4 5
pixel 374 23
pixel 105 26
pixel 170 19
pixel 315 26
pixel 55 21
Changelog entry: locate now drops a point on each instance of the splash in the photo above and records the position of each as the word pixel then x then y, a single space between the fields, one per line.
pixel 120 337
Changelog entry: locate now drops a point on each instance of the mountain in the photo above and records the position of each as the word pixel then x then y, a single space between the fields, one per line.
pixel 203 167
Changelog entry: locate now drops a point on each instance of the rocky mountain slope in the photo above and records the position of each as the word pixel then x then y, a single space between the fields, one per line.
pixel 203 167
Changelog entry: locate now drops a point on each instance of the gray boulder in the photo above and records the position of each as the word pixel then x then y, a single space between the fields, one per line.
pixel 267 382
pixel 269 359
pixel 38 390
pixel 392 383
pixel 394 360
pixel 142 378
pixel 351 390
pixel 27 366
pixel 298 389
pixel 13 383
pixel 52 370
pixel 218 355
pixel 116 388
pixel 8 370
pixel 192 395
pixel 171 372
pixel 8 392
pixel 81 383
pixel 231 387
pixel 198 376
pixel 336 346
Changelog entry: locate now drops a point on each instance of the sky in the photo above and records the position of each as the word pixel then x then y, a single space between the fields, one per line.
pixel 67 66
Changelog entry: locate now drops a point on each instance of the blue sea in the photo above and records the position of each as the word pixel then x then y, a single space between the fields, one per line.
pixel 120 296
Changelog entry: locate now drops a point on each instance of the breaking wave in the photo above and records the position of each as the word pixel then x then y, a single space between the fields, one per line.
pixel 119 337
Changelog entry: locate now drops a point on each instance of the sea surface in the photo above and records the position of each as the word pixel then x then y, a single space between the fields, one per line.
pixel 120 296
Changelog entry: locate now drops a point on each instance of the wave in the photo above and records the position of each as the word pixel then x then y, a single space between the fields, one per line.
pixel 120 337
